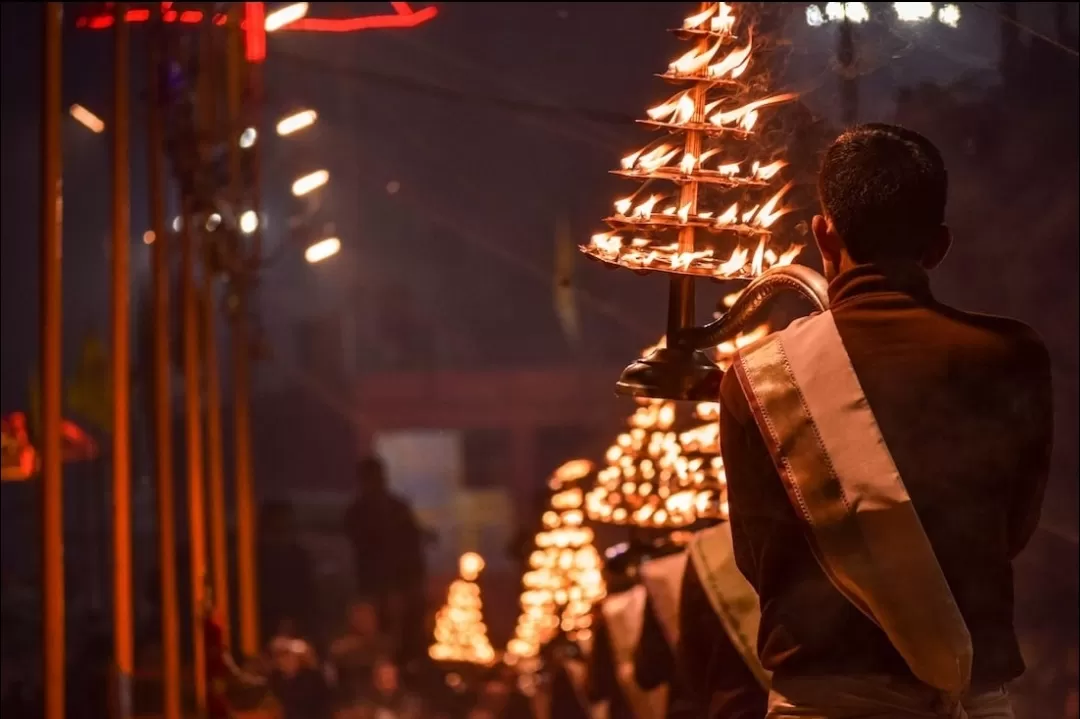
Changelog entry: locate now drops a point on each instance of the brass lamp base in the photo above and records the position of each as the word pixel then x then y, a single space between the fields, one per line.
pixel 676 373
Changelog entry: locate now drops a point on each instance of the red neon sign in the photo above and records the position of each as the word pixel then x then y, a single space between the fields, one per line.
pixel 403 16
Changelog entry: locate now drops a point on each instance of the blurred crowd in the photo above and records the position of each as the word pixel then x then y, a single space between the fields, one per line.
pixel 373 664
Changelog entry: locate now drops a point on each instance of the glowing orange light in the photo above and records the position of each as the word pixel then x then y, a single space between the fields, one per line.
pixel 403 16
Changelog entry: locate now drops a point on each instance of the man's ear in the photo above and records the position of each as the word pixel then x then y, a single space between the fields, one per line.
pixel 828 241
pixel 940 242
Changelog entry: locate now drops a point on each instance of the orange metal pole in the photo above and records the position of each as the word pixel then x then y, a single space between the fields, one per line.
pixel 219 538
pixel 170 610
pixel 193 432
pixel 123 613
pixel 214 457
pixel 52 487
pixel 247 580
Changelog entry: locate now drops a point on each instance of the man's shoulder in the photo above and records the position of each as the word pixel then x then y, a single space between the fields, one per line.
pixel 733 400
pixel 1009 341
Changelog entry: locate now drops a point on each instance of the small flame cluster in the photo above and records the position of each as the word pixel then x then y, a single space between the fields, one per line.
pixel 564 578
pixel 717 222
pixel 666 470
pixel 460 632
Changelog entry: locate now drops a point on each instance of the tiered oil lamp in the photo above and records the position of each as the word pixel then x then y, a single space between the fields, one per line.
pixel 665 470
pixel 717 220
pixel 460 632
pixel 564 579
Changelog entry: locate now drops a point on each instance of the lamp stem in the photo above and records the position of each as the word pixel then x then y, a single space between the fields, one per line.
pixel 681 293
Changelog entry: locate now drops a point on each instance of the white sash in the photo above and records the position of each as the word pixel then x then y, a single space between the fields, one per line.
pixel 663 579
pixel 828 449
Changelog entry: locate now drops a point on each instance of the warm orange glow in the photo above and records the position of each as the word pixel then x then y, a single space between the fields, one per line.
pixel 718 220
pixel 285 16
pixel 296 122
pixel 310 182
pixel 322 250
pixel 87 119
pixel 256 19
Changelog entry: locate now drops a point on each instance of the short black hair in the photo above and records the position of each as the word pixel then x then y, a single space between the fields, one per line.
pixel 884 188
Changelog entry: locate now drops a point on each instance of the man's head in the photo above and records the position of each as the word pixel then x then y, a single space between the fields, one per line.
pixel 371 475
pixel 883 191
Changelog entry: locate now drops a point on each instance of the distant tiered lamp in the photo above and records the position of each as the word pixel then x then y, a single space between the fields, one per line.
pixel 665 470
pixel 717 221
pixel 460 633
pixel 564 579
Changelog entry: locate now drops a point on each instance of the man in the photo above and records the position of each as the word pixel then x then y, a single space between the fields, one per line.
pixel 886 461
pixel 388 553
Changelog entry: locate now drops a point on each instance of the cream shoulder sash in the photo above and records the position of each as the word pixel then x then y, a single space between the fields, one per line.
pixel 838 472
pixel 663 578
pixel 733 599
pixel 625 617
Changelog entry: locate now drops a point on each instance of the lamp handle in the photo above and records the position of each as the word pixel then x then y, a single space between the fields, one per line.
pixel 797 279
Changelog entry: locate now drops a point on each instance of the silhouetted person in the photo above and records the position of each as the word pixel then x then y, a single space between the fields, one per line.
pixel 388 553
pixel 286 572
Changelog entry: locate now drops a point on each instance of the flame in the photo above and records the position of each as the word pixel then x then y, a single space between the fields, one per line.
pixel 768 213
pixel 734 63
pixel 724 21
pixel 747 115
pixel 735 263
pixel 767 172
pixel 757 263
pixel 657 158
pixel 645 209
pixel 630 160
pixel 694 22
pixel 694 60
pixel 686 165
pixel 676 110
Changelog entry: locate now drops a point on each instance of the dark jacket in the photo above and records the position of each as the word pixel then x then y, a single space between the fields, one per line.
pixel 716 674
pixel 963 402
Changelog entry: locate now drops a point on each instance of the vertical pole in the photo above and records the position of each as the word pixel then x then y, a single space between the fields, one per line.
pixel 193 431
pixel 52 497
pixel 215 472
pixel 681 290
pixel 170 611
pixel 219 538
pixel 241 348
pixel 123 619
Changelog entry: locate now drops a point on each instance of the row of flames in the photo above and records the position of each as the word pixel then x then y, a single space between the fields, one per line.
pixel 712 109
pixel 654 476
